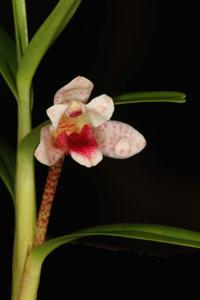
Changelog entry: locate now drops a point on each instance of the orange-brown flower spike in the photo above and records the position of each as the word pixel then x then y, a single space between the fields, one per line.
pixel 47 201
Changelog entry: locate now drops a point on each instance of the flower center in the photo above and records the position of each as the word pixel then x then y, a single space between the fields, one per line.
pixel 72 122
pixel 66 125
pixel 75 109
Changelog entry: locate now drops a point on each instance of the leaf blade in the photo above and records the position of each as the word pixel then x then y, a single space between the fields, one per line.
pixel 152 232
pixel 148 232
pixel 21 30
pixel 154 96
pixel 7 166
pixel 30 141
pixel 8 60
pixel 42 40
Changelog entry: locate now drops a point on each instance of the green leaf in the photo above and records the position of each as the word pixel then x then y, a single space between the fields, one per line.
pixel 7 166
pixel 148 232
pixel 21 30
pixel 30 141
pixel 158 96
pixel 41 42
pixel 157 233
pixel 8 60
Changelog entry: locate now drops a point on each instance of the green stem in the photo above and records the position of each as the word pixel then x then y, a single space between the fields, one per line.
pixel 30 281
pixel 24 113
pixel 25 217
pixel 25 214
pixel 30 277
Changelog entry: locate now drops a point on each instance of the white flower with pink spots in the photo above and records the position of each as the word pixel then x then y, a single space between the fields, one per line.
pixel 84 130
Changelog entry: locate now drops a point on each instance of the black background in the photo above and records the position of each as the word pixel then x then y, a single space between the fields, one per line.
pixel 121 46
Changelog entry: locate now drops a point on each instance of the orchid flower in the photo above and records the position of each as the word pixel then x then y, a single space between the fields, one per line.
pixel 84 130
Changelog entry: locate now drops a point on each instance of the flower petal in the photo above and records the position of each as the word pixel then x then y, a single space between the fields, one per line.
pixel 46 152
pixel 102 105
pixel 95 118
pixel 83 147
pixel 119 140
pixel 56 112
pixel 79 89
pixel 87 161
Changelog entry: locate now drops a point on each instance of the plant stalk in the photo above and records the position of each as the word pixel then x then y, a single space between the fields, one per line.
pixel 30 276
pixel 25 213
pixel 47 201
pixel 30 281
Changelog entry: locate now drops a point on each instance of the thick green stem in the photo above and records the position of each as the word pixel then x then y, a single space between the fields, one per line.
pixel 25 221
pixel 31 272
pixel 25 215
pixel 24 113
pixel 30 281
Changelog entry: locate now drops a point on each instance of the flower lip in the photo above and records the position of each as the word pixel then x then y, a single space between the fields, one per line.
pixel 81 146
pixel 61 142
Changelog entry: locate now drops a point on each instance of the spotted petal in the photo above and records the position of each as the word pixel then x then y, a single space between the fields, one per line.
pixel 83 147
pixel 56 112
pixel 102 105
pixel 46 152
pixel 95 118
pixel 119 140
pixel 79 89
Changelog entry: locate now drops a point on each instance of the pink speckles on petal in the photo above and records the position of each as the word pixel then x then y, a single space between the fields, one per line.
pixel 105 125
pixel 123 148
pixel 79 89
pixel 103 105
pixel 119 140
pixel 95 118
pixel 46 152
